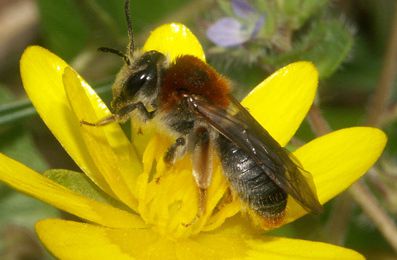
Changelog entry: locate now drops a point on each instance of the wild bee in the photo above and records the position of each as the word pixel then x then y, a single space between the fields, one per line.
pixel 193 101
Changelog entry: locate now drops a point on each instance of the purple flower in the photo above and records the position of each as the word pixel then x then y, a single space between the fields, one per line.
pixel 234 31
pixel 242 8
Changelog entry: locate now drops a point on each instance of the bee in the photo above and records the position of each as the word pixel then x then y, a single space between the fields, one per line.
pixel 194 102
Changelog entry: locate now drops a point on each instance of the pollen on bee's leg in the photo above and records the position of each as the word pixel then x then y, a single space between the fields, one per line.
pixel 268 222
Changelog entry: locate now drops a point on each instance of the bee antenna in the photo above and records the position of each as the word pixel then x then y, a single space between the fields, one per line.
pixel 131 45
pixel 117 52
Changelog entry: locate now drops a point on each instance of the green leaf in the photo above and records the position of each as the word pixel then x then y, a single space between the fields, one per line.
pixel 80 183
pixel 14 111
pixel 64 28
pixel 19 209
pixel 16 140
pixel 327 44
pixel 17 143
pixel 70 26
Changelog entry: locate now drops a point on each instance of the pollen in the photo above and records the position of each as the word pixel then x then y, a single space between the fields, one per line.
pixel 168 195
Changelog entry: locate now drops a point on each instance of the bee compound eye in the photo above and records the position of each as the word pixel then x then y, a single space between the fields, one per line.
pixel 137 81
pixel 146 74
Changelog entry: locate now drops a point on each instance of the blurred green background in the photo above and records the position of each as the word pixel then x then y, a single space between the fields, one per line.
pixel 348 40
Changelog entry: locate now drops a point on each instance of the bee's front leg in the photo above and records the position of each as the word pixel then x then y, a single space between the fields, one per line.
pixel 104 121
pixel 122 115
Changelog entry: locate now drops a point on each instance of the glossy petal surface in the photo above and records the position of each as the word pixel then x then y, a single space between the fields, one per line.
pixel 41 73
pixel 174 40
pixel 27 181
pixel 94 242
pixel 115 159
pixel 281 101
pixel 337 160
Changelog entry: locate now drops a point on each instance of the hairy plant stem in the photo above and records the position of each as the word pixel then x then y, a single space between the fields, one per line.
pixel 317 122
pixel 363 196
pixel 386 79
pixel 338 221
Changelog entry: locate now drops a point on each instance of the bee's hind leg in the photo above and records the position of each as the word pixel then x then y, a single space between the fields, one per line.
pixel 202 157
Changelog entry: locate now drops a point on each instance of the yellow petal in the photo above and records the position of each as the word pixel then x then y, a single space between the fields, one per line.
pixel 281 102
pixel 174 40
pixel 337 160
pixel 108 146
pixel 169 199
pixel 294 249
pixel 26 180
pixel 41 73
pixel 72 240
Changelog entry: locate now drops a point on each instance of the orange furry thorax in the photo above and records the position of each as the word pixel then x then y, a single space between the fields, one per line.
pixel 190 75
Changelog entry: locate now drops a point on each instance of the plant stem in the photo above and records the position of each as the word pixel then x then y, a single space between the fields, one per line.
pixel 317 122
pixel 386 79
pixel 363 196
pixel 338 221
pixel 389 116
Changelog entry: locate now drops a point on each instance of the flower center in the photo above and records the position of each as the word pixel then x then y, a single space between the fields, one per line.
pixel 168 195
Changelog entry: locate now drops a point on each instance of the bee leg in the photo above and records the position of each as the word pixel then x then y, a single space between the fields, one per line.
pixel 200 144
pixel 202 156
pixel 104 121
pixel 175 151
pixel 227 198
pixel 125 111
pixel 122 115
pixel 202 196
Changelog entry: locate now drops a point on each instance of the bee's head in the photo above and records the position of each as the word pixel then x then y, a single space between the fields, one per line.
pixel 138 80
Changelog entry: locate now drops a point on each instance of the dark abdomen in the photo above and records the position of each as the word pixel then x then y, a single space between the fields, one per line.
pixel 250 182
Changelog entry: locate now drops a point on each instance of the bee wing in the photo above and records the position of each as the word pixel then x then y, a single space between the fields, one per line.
pixel 238 125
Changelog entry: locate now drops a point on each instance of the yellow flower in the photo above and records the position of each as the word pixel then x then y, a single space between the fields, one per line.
pixel 161 202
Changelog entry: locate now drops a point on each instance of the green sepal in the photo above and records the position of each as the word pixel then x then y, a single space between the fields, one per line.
pixel 81 184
